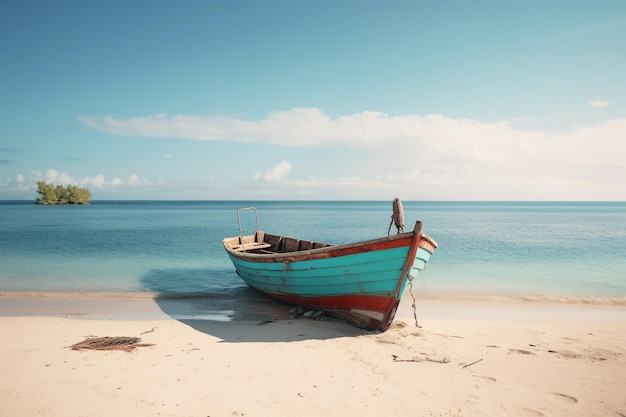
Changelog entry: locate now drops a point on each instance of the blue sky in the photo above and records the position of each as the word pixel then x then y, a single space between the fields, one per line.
pixel 357 100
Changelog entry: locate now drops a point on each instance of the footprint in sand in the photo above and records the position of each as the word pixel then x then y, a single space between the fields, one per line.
pixel 568 354
pixel 521 351
pixel 487 378
pixel 562 397
pixel 529 412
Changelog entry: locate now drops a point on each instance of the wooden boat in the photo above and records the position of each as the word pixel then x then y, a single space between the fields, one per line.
pixel 361 283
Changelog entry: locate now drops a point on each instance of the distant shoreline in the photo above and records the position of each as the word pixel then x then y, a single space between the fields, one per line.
pixel 67 203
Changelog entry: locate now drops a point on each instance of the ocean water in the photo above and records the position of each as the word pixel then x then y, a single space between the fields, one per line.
pixel 173 248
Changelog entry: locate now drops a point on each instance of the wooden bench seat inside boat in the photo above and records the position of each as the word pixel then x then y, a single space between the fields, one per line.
pixel 251 246
pixel 267 243
pixel 288 244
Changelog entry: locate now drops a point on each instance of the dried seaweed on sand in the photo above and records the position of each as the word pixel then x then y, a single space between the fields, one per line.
pixel 110 343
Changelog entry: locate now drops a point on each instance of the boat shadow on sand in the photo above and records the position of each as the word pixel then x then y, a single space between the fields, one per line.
pixel 237 313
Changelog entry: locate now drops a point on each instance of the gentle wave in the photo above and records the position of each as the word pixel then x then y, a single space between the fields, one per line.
pixel 523 297
pixel 245 293
pixel 124 295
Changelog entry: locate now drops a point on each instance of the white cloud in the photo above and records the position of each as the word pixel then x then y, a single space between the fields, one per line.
pixel 62 178
pixel 20 183
pixel 309 126
pixel 295 127
pixel 97 181
pixel 275 174
pixel 135 181
pixel 412 156
pixel 599 103
pixel 431 156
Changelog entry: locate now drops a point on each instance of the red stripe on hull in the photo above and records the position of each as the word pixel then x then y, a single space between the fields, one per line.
pixel 363 302
pixel 351 308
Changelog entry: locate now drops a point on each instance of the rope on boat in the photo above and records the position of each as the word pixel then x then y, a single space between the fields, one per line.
pixel 397 217
pixel 414 305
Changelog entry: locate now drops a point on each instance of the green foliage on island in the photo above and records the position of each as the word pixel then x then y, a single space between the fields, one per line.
pixel 51 194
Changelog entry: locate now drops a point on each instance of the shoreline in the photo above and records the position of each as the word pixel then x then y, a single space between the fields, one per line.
pixel 428 294
pixel 257 307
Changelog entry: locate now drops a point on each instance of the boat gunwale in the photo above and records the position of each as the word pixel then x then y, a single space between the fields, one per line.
pixel 387 242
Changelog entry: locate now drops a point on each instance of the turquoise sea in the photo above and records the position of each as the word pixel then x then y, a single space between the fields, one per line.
pixel 173 248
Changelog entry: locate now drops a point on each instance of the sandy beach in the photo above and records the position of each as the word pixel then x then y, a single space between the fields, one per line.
pixel 468 358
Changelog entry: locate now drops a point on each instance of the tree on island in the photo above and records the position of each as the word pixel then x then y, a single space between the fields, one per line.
pixel 51 194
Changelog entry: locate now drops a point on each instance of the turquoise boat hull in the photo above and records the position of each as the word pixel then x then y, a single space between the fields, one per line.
pixel 361 283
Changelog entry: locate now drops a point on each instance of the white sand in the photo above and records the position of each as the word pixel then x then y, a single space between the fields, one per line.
pixel 470 358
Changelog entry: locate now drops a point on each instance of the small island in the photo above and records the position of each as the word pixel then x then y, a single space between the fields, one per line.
pixel 51 194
